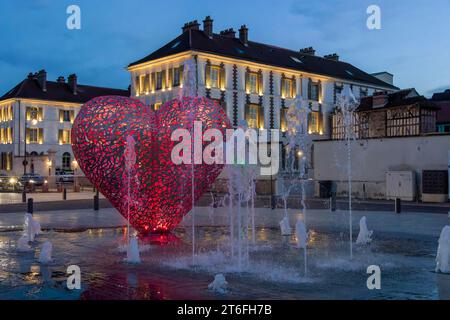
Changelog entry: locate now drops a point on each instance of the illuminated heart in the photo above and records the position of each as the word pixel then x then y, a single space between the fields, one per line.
pixel 159 191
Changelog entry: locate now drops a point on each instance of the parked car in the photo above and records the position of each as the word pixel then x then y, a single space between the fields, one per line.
pixel 64 177
pixel 9 182
pixel 30 179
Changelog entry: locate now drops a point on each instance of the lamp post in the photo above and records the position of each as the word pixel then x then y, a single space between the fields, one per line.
pixel 49 165
pixel 75 167
pixel 33 116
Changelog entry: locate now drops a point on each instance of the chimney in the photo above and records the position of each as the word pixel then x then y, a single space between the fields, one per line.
pixel 208 27
pixel 333 57
pixel 72 81
pixel 41 78
pixel 61 79
pixel 30 76
pixel 243 35
pixel 380 99
pixel 229 33
pixel 309 50
pixel 192 25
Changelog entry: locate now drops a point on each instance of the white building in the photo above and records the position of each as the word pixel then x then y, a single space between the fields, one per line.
pixel 36 117
pixel 253 81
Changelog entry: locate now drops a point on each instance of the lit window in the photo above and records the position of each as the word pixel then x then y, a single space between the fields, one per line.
pixel 288 90
pixel 176 77
pixel 215 77
pixel 157 105
pixel 313 123
pixel 159 80
pixel 254 116
pixel 66 161
pixel 253 82
pixel 64 136
pixel 314 92
pixel 33 135
pixel 34 113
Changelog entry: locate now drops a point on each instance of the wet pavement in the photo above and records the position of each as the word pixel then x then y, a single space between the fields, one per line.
pixel 403 246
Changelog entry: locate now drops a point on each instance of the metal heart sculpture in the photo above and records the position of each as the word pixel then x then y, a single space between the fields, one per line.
pixel 155 193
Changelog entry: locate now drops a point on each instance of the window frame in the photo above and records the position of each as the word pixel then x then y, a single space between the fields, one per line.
pixel 254 75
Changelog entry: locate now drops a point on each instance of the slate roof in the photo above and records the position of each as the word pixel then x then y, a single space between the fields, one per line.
pixel 56 91
pixel 397 99
pixel 262 53
pixel 442 96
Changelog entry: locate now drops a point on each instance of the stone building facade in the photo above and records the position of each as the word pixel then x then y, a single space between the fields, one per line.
pixel 252 81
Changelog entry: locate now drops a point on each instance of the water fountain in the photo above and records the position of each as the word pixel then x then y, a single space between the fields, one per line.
pixel 130 162
pixel 301 236
pixel 22 244
pixel 219 285
pixel 133 251
pixel 32 228
pixel 347 104
pixel 443 252
pixel 364 236
pixel 45 255
pixel 285 226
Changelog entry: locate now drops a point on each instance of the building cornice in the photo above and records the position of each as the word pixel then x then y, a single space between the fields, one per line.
pixel 246 63
pixel 38 101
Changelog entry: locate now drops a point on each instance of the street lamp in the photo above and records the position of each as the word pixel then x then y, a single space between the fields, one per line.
pixel 75 166
pixel 49 165
pixel 33 116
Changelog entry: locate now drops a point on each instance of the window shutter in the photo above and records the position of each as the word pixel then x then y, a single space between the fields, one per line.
pixel 181 74
pixel 40 135
pixel 260 82
pixel 72 116
pixel 10 136
pixel 283 87
pixel 294 87
pixel 247 81
pixel 61 115
pixel 222 80
pixel 260 117
pixel 208 74
pixel 60 136
pixel 283 125
pixel 320 120
pixel 319 91
pixel 153 81
pixel 137 85
pixel 309 121
pixel 164 79
pixel 28 113
pixel 40 114
pixel 146 83
pixel 246 112
pixel 27 135
pixel 170 78
pixel 309 90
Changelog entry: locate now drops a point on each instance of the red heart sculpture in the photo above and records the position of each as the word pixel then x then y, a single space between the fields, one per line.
pixel 160 191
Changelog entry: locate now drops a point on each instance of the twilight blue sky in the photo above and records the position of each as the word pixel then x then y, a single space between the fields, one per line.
pixel 413 44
